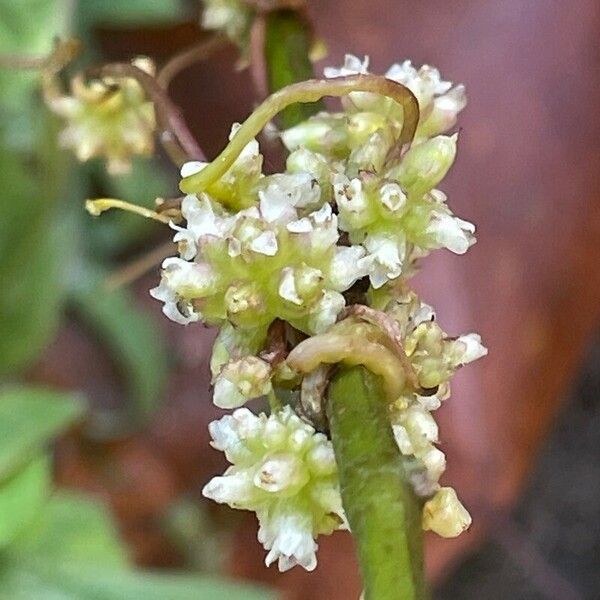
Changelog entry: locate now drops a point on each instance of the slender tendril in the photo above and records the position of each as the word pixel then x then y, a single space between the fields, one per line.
pixel 98 206
pixel 305 91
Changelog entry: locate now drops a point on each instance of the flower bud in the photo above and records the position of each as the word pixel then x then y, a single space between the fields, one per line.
pixel 445 515
pixel 324 133
pixel 425 164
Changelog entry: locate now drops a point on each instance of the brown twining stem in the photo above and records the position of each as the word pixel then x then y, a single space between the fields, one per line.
pixel 196 53
pixel 258 61
pixel 175 136
pixel 391 329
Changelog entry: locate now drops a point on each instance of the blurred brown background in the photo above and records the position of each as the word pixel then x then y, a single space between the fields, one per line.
pixel 528 174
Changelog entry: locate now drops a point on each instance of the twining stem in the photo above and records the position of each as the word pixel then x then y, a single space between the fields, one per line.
pixel 176 138
pixel 383 512
pixel 305 91
pixel 351 348
pixel 188 57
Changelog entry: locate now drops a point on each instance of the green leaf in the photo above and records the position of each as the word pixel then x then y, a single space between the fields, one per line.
pixel 22 496
pixel 18 582
pixel 75 554
pixel 112 585
pixel 21 34
pixel 129 12
pixel 34 246
pixel 76 531
pixel 133 342
pixel 29 419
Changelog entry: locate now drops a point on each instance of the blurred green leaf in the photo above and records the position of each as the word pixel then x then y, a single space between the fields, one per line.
pixel 21 32
pixel 29 418
pixel 129 12
pixel 68 583
pixel 77 531
pixel 133 343
pixel 75 554
pixel 21 497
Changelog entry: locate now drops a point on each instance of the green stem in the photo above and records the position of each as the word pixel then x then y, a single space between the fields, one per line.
pixel 287 47
pixel 305 91
pixel 383 512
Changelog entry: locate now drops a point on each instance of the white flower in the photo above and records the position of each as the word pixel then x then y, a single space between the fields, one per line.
pixel 352 202
pixel 439 102
pixel 202 219
pixel 451 232
pixel 384 259
pixel 265 243
pixel 287 286
pixel 325 312
pixel 345 269
pixel 286 473
pixel 242 380
pixel 445 515
pixel 352 66
pixel 182 281
pixel 468 348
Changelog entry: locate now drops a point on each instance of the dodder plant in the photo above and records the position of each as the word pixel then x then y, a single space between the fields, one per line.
pixel 306 274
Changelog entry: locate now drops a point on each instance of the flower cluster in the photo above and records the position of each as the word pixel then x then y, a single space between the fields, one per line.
pixel 108 118
pixel 345 223
pixel 434 358
pixel 387 203
pixel 286 473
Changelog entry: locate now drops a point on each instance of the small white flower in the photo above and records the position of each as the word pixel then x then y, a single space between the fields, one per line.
pixel 242 380
pixel 445 515
pixel 265 243
pixel 182 281
pixel 352 66
pixel 286 473
pixel 287 287
pixel 472 349
pixel 392 197
pixel 451 232
pixel 325 312
pixel 352 202
pixel 384 259
pixel 344 270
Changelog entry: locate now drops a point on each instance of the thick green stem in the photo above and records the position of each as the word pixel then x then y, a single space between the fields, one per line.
pixel 383 512
pixel 287 47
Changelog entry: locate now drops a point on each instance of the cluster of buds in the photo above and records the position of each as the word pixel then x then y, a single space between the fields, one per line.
pixel 296 251
pixel 108 118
